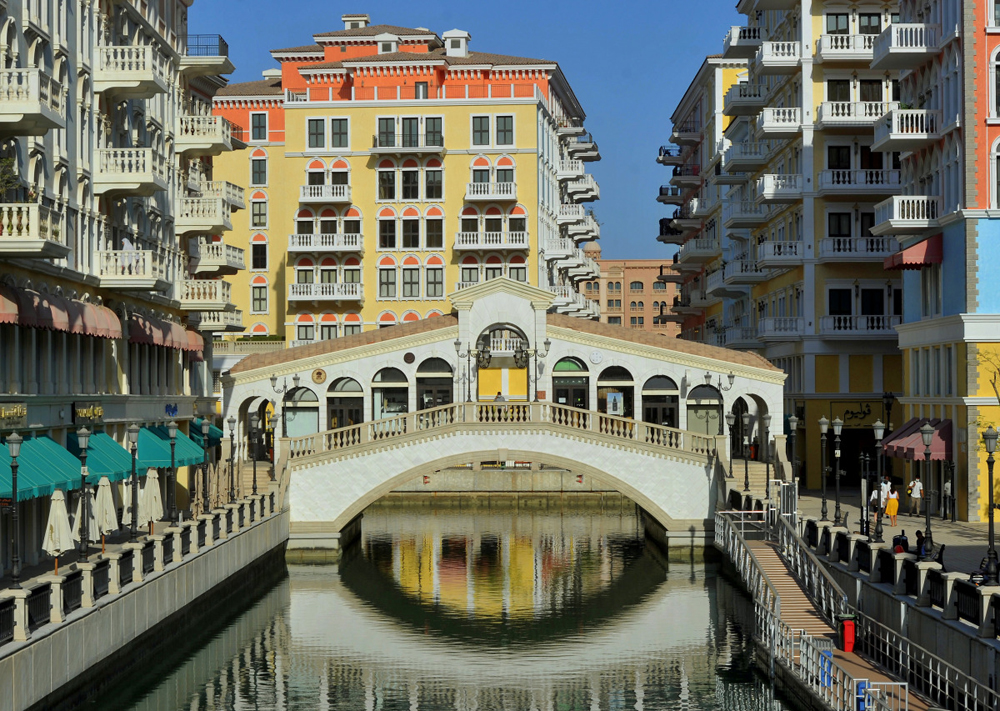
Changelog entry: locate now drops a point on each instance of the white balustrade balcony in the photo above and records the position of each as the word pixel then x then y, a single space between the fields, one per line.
pixel 744 99
pixel 217 321
pixel 131 72
pixel 781 328
pixel 857 249
pixel 30 230
pixel 206 295
pixel 490 192
pixel 743 42
pixel 585 230
pixel 906 129
pixel 737 214
pixel 325 193
pixel 670 195
pixel 211 258
pixel 698 251
pixel 569 214
pixel 349 291
pixel 506 345
pixel 203 135
pixel 132 270
pixel 845 48
pixel 905 45
pixel 558 248
pixel 907 214
pixel 583 148
pixel 859 182
pixel 778 57
pixel 203 214
pixel 233 195
pixel 780 254
pixel 701 207
pixel 780 122
pixel 491 240
pixel 852 114
pixel 761 5
pixel 331 242
pixel 743 271
pixel 569 169
pixel 741 337
pixel 775 188
pixel 585 189
pixel 31 103
pixel 859 326
pixel 135 171
pixel 745 156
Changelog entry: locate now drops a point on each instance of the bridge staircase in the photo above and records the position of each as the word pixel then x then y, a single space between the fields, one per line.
pixel 758 472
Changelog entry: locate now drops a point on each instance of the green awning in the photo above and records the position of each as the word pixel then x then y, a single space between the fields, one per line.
pixel 43 467
pixel 105 457
pixel 215 435
pixel 154 449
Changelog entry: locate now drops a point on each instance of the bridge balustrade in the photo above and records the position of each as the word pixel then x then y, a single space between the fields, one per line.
pixel 815 578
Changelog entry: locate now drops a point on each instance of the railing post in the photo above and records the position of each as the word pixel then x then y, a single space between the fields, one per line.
pixel 158 561
pixel 136 549
pixel 87 594
pixel 21 633
pixel 174 531
pixel 56 597
pixel 114 578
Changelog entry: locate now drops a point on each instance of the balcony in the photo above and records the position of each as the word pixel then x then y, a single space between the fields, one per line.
pixel 772 188
pixel 557 248
pixel 857 249
pixel 759 5
pixel 858 326
pixel 905 45
pixel 205 214
pixel 778 57
pixel 686 176
pixel 204 135
pixel 31 103
pixel 701 207
pixel 231 194
pixel 743 271
pixel 780 255
pixel 698 251
pixel 669 155
pixel 742 42
pixel 781 328
pixel 325 194
pixel 851 115
pixel 737 215
pixel 206 295
pixel 131 270
pixel 568 300
pixel 907 215
pixel 491 240
pixel 491 192
pixel 906 130
pixel 670 195
pixel 741 337
pixel 583 148
pixel 568 214
pixel 745 156
pixel 685 221
pixel 210 258
pixel 30 230
pixel 321 243
pixel 683 306
pixel 408 143
pixel 131 72
pixel 206 55
pixel 352 291
pixel 780 122
pixel 217 321
pixel 569 170
pixel 136 171
pixel 669 275
pixel 717 288
pixel 744 100
pixel 858 183
pixel 585 189
pixel 686 133
pixel 845 48
pixel 584 230
pixel 669 234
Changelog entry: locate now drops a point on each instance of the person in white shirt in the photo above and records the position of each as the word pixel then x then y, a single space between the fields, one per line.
pixel 886 484
pixel 916 492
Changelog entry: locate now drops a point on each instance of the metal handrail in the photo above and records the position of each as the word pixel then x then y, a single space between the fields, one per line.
pixel 735 546
pixel 818 583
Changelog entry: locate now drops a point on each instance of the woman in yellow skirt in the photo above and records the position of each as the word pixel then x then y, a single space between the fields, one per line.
pixel 892 505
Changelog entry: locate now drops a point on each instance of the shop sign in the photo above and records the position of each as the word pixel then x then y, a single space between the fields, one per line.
pixel 13 415
pixel 88 414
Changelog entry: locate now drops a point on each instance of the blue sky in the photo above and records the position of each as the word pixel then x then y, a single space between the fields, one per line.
pixel 629 62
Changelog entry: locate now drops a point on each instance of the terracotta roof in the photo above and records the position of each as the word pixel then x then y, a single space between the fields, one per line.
pixel 323 65
pixel 264 360
pixel 623 333
pixel 373 30
pixel 439 55
pixel 252 88
pixel 396 57
pixel 303 48
pixel 491 58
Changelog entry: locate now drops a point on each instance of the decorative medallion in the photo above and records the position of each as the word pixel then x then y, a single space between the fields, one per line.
pixel 319 376
pixel 408 358
pixel 596 357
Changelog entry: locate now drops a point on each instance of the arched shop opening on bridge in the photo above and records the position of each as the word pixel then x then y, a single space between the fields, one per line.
pixel 660 397
pixel 615 392
pixel 345 403
pixel 704 410
pixel 571 383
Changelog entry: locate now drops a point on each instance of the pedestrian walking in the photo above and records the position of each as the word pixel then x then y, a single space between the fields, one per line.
pixel 915 491
pixel 886 483
pixel 892 505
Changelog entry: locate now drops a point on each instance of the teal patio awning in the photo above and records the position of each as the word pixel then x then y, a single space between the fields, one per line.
pixel 105 457
pixel 154 449
pixel 43 467
pixel 215 435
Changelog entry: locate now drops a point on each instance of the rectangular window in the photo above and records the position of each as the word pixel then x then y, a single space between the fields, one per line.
pixel 871 90
pixel 258 298
pixel 352 227
pixel 435 234
pixel 518 224
pixel 387 132
pixel 937 372
pixel 258 258
pixel 317 133
pixel 634 320
pixel 328 227
pixel 316 177
pixel 493 273
pixel 338 133
pixel 304 276
pixel 352 276
pixel 258 171
pixel 411 132
pixel 339 177
pixel 258 214
pixel 869 23
pixel 387 283
pixel 327 332
pixel 434 126
pixel 411 283
pixel 837 23
pixel 930 288
pixel 915 367
pixel 433 187
pixel 872 302
pixel 615 320
pixel 351 329
pixel 505 130
pixel 949 365
pixel 435 283
pixel 304 227
pixel 258 127
pixel 411 234
pixel 838 90
pixel 420 90
pixel 838 157
pixel 387 185
pixel 839 224
pixel 867 222
pixel 505 175
pixel 519 273
pixel 387 234
pixel 411 185
pixel 470 275
pixel 305 333
pixel 327 276
pixel 480 130
pixel 470 224
pixel 480 176
pixel 840 302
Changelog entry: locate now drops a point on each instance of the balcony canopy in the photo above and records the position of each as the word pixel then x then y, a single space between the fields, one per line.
pixel 917 256
pixel 908 443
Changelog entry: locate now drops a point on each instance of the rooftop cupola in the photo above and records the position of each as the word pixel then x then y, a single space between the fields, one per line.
pixel 355 21
pixel 387 43
pixel 456 43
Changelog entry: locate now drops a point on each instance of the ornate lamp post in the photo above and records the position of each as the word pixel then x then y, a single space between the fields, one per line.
pixel 14 447
pixel 282 391
pixel 824 424
pixel 793 426
pixel 204 464
pixel 731 421
pixel 992 573
pixel 133 440
pixel 83 438
pixel 273 422
pixel 254 419
pixel 746 451
pixel 468 367
pixel 172 481
pixel 927 435
pixel 766 421
pixel 232 457
pixel 838 425
pixel 879 428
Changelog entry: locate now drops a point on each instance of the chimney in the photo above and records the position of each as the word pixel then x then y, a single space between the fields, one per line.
pixel 456 43
pixel 355 21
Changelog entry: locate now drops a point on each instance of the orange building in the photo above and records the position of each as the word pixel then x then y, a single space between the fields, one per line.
pixel 629 293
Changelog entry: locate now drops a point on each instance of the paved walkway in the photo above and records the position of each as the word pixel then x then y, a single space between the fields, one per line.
pixel 966 543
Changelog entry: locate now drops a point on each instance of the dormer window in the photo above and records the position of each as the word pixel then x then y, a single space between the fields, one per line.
pixel 456 44
pixel 386 47
pixel 387 43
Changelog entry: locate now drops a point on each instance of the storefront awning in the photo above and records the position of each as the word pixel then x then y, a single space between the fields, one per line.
pixel 8 305
pixel 57 313
pixel 105 457
pixel 93 320
pixel 908 443
pixel 156 332
pixel 154 449
pixel 917 256
pixel 43 467
pixel 215 435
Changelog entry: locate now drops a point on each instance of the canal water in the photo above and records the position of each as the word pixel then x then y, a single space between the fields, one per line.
pixel 478 605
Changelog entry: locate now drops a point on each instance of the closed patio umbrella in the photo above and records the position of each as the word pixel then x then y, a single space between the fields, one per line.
pixel 58 536
pixel 150 502
pixel 105 510
pixel 92 532
pixel 127 502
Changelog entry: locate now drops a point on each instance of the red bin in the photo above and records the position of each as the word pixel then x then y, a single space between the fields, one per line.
pixel 845 629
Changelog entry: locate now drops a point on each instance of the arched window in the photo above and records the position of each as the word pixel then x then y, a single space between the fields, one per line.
pixel 390 393
pixel 636 286
pixel 345 403
pixel 641 306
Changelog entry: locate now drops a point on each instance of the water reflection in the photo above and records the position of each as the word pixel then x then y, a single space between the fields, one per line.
pixel 478 609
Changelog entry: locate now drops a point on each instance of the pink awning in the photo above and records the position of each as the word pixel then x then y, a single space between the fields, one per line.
pixel 195 342
pixel 44 311
pixel 155 332
pixel 8 305
pixel 917 256
pixel 908 443
pixel 102 322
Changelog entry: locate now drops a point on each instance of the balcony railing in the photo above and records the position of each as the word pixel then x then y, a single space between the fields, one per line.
pixel 205 294
pixel 350 291
pixel 858 248
pixel 743 271
pixel 491 191
pixel 903 45
pixel 30 230
pixel 131 71
pixel 670 195
pixel 570 213
pixel 232 194
pixel 204 134
pixel 687 132
pixel 669 155
pixel 206 46
pixel 736 214
pixel 780 122
pixel 217 321
pixel 130 170
pixel 865 181
pixel 584 188
pixel 777 254
pixel 778 57
pixel 831 48
pixel 401 142
pixel 131 269
pixel 569 169
pixel 746 155
pixel 832 114
pixel 902 214
pixel 491 240
pixel 203 214
pixel 215 257
pixel 744 99
pixel 906 129
pixel 742 42
pixel 740 337
pixel 698 250
pixel 779 188
pixel 336 242
pixel 31 102
pixel 858 325
pixel 325 193
pixel 558 247
pixel 781 327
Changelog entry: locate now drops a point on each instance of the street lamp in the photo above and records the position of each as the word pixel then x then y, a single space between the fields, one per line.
pixel 232 456
pixel 824 424
pixel 83 439
pixel 927 435
pixel 205 424
pixel 746 449
pixel 540 354
pixel 863 467
pixel 990 440
pixel 468 367
pixel 793 426
pixel 838 425
pixel 273 422
pixel 172 482
pixel 282 391
pixel 731 421
pixel 879 428
pixel 133 439
pixel 14 448
pixel 766 420
pixel 254 419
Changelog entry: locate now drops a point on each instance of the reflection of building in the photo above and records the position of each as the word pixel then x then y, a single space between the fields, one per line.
pixel 630 294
